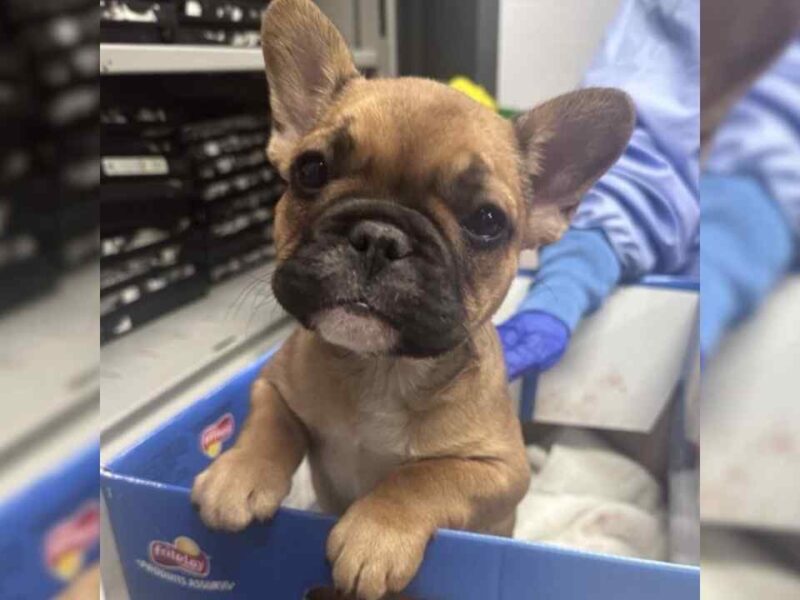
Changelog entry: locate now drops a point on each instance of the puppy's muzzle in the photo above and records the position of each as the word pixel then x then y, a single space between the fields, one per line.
pixel 379 244
pixel 383 232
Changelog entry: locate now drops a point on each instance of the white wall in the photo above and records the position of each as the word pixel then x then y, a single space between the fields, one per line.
pixel 546 45
pixel 343 15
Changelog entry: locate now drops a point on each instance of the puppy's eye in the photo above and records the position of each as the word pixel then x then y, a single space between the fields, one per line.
pixel 310 172
pixel 486 224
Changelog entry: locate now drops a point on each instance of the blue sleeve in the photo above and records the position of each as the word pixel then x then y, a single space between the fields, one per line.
pixel 575 275
pixel 647 204
pixel 746 249
pixel 772 155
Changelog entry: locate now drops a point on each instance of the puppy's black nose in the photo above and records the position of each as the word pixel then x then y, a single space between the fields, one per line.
pixel 379 243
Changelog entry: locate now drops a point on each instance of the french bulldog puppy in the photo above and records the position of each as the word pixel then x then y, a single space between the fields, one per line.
pixel 399 234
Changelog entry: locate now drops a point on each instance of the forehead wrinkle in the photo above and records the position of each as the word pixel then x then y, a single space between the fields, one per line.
pixel 464 179
pixel 404 142
pixel 342 144
pixel 472 178
pixel 401 138
pixel 374 140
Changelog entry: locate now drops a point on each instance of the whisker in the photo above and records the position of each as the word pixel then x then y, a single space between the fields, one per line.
pixel 233 309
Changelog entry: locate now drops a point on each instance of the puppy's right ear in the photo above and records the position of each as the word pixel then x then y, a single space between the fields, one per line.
pixel 307 63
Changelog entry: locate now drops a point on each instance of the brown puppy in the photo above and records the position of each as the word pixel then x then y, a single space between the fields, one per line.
pixel 408 205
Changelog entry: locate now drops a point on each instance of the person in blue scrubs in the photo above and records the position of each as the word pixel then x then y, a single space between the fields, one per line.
pixel 751 200
pixel 643 215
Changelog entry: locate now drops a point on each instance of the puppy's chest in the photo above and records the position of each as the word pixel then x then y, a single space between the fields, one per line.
pixel 379 422
pixel 373 436
pixel 382 425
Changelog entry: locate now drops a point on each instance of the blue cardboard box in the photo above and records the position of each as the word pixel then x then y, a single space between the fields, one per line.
pixel 51 530
pixel 167 552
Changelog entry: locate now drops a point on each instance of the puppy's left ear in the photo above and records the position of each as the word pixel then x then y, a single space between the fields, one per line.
pixel 307 62
pixel 567 144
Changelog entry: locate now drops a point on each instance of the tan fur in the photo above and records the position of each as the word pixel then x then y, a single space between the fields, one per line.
pixel 85 586
pixel 398 446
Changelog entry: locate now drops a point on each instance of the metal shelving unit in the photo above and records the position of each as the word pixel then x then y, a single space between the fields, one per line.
pixel 148 366
pixel 146 369
pixel 140 59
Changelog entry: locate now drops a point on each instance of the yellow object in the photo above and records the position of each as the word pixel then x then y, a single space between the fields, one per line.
pixel 212 451
pixel 474 91
pixel 187 546
pixel 68 565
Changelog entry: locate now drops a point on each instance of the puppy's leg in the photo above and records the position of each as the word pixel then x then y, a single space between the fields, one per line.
pixel 250 480
pixel 378 545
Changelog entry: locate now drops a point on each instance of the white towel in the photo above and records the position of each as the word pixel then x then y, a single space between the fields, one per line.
pixel 302 495
pixel 586 495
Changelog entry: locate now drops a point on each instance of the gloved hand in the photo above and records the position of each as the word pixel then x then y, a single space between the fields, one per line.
pixel 575 275
pixel 746 247
pixel 532 340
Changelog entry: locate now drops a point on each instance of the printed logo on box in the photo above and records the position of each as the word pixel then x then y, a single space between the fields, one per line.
pixel 67 542
pixel 214 436
pixel 181 555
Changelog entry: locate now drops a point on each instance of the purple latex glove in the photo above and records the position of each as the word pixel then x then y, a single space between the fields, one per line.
pixel 532 340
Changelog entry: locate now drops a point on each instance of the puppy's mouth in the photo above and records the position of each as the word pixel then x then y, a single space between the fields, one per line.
pixel 356 326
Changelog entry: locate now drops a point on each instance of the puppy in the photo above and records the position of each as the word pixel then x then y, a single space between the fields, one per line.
pixel 398 236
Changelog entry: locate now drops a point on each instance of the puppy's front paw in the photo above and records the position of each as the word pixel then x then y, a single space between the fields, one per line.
pixel 236 490
pixel 376 548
